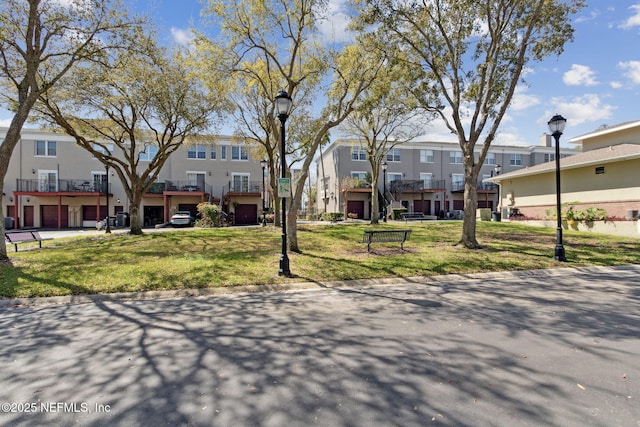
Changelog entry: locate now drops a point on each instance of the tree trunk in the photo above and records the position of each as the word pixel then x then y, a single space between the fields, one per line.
pixel 470 205
pixel 6 150
pixel 134 214
pixel 375 206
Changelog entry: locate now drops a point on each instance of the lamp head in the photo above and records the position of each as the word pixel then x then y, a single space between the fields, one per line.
pixel 283 104
pixel 557 124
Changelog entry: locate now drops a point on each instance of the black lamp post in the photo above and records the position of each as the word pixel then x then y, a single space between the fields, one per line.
pixel 263 163
pixel 283 107
pixel 107 229
pixel 556 126
pixel 384 191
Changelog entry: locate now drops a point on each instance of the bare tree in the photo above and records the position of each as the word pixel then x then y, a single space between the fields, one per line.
pixel 146 102
pixel 468 56
pixel 40 42
pixel 276 45
pixel 387 116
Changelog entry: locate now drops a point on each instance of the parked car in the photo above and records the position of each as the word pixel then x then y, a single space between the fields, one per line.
pixel 182 219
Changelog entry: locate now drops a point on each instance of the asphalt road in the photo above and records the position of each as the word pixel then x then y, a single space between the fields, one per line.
pixel 543 348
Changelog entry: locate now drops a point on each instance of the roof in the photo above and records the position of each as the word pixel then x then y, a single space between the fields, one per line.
pixel 604 130
pixel 614 153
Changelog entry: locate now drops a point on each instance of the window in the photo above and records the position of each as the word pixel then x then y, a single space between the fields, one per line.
pixel 457 182
pixel 426 156
pixel 455 157
pixel 197 152
pixel 149 153
pixel 393 155
pixel 490 159
pixel 48 181
pixel 214 152
pixel 195 181
pixel 104 149
pixel 359 175
pixel 223 152
pixel 549 157
pixel 358 153
pixel 99 182
pixel 240 183
pixel 394 177
pixel 239 153
pixel 46 148
pixel 516 160
pixel 426 179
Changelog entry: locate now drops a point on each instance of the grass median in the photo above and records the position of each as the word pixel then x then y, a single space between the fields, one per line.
pixel 206 258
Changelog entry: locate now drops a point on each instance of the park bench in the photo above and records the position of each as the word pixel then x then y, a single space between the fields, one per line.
pixel 413 216
pixel 384 236
pixel 23 236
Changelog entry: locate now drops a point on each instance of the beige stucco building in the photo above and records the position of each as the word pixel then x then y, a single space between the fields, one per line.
pixel 53 183
pixel 604 175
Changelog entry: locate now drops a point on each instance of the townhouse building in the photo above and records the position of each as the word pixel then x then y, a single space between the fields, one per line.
pixel 421 176
pixel 602 175
pixel 53 183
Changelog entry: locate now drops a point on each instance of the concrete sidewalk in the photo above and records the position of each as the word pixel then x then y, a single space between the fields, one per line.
pixel 548 347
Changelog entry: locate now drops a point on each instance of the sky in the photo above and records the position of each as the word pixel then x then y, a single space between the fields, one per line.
pixel 595 82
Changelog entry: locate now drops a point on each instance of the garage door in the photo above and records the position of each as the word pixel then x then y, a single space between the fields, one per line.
pixel 191 207
pixel 419 207
pixel 356 207
pixel 49 216
pixel 246 214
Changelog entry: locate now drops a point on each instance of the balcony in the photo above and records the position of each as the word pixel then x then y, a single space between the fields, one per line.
pixel 187 186
pixel 458 187
pixel 415 186
pixel 61 186
pixel 244 187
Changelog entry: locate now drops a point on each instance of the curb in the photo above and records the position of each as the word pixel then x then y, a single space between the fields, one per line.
pixel 303 286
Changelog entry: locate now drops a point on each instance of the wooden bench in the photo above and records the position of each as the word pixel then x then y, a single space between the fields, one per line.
pixel 384 236
pixel 23 236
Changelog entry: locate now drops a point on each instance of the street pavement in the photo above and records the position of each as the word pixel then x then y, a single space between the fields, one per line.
pixel 537 348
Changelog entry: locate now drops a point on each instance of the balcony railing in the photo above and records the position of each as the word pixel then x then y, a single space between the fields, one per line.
pixel 404 186
pixel 459 186
pixel 244 187
pixel 61 185
pixel 189 186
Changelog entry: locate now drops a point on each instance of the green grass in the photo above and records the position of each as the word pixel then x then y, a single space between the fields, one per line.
pixel 202 258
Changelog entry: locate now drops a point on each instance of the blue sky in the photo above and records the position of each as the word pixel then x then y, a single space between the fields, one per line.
pixel 596 81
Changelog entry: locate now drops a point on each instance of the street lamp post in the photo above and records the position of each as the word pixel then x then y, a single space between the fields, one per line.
pixel 283 107
pixel 263 163
pixel 107 229
pixel 556 126
pixel 384 191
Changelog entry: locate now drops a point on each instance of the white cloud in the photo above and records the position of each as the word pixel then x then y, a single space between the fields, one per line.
pixel 4 123
pixel 631 69
pixel 510 137
pixel 521 100
pixel 615 85
pixel 334 25
pixel 182 37
pixel 593 15
pixel 579 75
pixel 584 109
pixel 634 19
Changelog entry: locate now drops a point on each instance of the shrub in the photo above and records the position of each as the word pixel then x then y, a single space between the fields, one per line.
pixel 397 213
pixel 209 215
pixel 332 216
pixel 352 215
